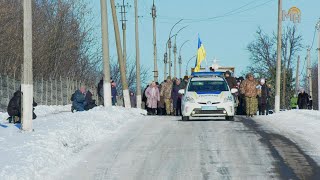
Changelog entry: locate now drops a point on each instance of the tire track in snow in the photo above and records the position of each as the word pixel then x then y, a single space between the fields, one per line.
pixel 292 162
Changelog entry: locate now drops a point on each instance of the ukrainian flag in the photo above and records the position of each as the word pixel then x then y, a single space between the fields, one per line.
pixel 201 55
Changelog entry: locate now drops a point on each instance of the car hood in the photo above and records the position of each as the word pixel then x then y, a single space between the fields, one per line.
pixel 213 97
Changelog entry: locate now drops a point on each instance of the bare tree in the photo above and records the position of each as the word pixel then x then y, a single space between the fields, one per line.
pixel 263 59
pixel 63 41
pixel 131 75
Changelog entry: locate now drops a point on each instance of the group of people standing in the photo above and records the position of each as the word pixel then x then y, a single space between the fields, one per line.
pixel 302 101
pixel 252 96
pixel 164 98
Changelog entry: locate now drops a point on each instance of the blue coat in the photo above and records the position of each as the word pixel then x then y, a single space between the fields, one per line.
pixel 79 101
pixel 114 93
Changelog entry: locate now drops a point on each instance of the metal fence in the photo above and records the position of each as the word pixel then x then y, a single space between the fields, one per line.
pixel 45 92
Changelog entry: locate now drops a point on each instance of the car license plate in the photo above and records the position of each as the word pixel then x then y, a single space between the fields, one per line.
pixel 208 108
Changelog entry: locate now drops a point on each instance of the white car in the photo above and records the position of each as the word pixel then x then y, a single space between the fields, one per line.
pixel 207 95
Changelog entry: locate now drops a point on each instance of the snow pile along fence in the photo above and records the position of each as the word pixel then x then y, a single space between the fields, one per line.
pixel 57 139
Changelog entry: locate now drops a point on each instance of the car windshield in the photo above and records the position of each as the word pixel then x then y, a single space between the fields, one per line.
pixel 208 86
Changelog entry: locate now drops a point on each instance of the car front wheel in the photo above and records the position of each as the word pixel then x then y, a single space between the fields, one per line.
pixel 230 118
pixel 185 118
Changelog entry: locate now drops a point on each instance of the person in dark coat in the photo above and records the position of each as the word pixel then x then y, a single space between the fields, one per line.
pixel 241 109
pixel 263 97
pixel 184 82
pixel 14 108
pixel 144 98
pixel 232 82
pixel 114 93
pixel 100 91
pixel 176 97
pixel 90 103
pixel 303 99
pixel 79 100
pixel 133 100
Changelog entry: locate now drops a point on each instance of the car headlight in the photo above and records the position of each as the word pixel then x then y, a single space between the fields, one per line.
pixel 189 99
pixel 228 99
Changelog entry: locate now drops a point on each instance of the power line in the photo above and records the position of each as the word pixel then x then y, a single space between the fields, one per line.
pixel 230 13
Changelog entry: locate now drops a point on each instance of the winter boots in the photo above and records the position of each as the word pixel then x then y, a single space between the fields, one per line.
pixel 14 119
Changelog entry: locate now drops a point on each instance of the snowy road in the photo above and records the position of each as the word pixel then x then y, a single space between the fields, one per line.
pixel 164 148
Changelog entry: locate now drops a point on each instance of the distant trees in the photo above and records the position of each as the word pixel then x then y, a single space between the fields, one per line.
pixel 63 44
pixel 263 57
pixel 131 75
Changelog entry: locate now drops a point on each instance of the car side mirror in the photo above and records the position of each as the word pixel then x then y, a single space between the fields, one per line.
pixel 181 91
pixel 234 90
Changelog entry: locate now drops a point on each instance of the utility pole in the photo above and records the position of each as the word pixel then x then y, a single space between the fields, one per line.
pixel 138 93
pixel 180 58
pixel 175 56
pixel 126 96
pixel 318 28
pixel 169 46
pixel 170 63
pixel 284 86
pixel 154 15
pixel 180 63
pixel 278 68
pixel 105 48
pixel 124 20
pixel 297 75
pixel 27 79
pixel 309 72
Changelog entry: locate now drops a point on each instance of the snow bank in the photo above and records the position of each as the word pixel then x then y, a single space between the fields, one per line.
pixel 300 126
pixel 57 138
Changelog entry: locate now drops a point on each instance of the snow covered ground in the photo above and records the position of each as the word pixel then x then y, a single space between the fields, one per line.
pixel 58 137
pixel 300 126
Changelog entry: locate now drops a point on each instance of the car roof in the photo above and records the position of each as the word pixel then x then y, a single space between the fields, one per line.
pixel 207 78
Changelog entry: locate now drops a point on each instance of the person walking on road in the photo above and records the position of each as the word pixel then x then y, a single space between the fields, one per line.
pixel 176 98
pixel 249 88
pixel 263 97
pixel 153 96
pixel 166 93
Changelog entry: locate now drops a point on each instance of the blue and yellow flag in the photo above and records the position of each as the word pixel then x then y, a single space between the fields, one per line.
pixel 201 55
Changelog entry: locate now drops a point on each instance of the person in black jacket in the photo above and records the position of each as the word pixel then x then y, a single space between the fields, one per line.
pixel 232 82
pixel 90 103
pixel 303 99
pixel 14 108
pixel 100 92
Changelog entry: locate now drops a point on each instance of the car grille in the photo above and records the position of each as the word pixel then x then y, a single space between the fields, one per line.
pixel 206 103
pixel 199 111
